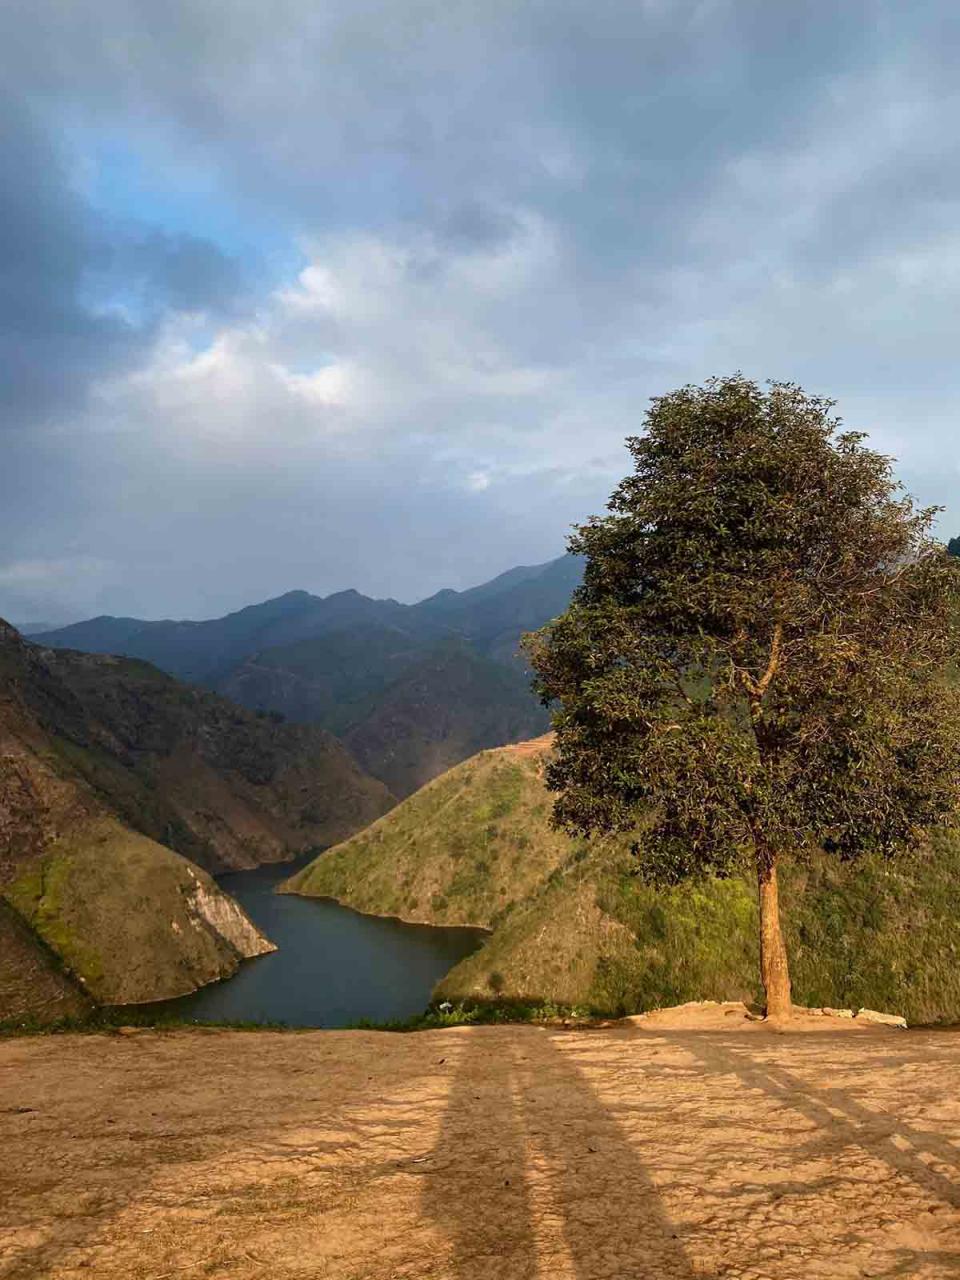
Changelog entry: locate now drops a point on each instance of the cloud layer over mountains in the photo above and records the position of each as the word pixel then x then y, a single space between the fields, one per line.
pixel 368 293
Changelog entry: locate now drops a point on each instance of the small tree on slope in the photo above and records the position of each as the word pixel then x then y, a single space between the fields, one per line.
pixel 755 662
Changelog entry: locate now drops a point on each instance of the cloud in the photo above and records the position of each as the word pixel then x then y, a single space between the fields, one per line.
pixel 370 294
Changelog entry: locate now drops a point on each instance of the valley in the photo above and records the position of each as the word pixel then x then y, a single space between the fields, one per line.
pixel 121 789
pixel 410 689
pixel 124 787
pixel 333 967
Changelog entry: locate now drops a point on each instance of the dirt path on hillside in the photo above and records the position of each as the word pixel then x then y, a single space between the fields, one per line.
pixel 481 1153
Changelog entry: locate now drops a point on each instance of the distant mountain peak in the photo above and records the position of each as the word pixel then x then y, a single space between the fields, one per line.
pixel 445 593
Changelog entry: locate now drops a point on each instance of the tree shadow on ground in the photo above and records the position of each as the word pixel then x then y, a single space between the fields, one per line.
pixel 533 1176
pixel 846 1121
pixel 912 1264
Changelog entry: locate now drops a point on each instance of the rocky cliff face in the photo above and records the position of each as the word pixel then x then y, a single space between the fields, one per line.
pixel 109 772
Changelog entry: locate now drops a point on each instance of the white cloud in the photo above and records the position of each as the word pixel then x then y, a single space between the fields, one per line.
pixel 375 336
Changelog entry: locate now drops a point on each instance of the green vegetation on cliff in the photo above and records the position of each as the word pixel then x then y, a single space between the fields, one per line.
pixel 35 987
pixel 572 925
pixel 133 920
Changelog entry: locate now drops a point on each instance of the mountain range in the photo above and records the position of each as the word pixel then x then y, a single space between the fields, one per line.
pixel 410 689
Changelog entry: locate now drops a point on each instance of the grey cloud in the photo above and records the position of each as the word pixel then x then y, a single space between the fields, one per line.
pixel 47 339
pixel 474 224
pixel 531 216
pixel 163 270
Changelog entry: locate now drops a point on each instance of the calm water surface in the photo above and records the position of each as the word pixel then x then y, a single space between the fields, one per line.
pixel 334 965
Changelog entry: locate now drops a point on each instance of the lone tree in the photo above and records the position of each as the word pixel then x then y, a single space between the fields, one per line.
pixel 755 663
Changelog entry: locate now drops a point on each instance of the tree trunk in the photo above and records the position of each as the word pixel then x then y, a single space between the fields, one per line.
pixel 774 970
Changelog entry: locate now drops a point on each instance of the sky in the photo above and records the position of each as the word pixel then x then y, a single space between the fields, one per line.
pixel 368 293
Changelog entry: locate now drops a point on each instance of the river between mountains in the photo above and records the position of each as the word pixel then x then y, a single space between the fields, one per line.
pixel 334 966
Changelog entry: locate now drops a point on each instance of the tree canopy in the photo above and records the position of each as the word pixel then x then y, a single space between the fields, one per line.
pixel 755 662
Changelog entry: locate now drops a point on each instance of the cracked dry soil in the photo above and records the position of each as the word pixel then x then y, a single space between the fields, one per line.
pixel 619 1153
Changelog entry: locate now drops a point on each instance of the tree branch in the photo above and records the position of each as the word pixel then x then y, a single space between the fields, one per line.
pixel 764 681
pixel 757 688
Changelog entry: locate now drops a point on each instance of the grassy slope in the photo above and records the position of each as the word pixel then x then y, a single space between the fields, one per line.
pixel 33 982
pixel 881 935
pixel 119 911
pixel 571 925
pixel 94 902
pixel 459 851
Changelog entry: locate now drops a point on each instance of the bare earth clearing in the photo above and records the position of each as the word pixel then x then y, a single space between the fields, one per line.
pixel 638 1150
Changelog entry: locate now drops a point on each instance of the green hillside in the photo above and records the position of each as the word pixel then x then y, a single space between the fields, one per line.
pixel 459 851
pixel 571 924
pixel 132 920
pixel 34 985
pixel 220 785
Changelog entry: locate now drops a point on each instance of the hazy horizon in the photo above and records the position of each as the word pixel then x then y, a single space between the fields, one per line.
pixel 69 621
pixel 369 294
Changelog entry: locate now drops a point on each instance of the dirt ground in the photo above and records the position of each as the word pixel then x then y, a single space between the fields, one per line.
pixel 638 1150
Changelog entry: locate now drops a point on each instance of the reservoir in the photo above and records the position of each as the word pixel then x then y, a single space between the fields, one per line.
pixel 334 966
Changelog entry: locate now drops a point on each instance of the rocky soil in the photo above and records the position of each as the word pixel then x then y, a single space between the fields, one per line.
pixel 649 1149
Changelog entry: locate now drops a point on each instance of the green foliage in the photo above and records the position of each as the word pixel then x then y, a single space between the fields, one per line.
pixel 878 933
pixel 693 941
pixel 481 1012
pixel 953 547
pixel 103 1020
pixel 884 934
pixel 755 660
